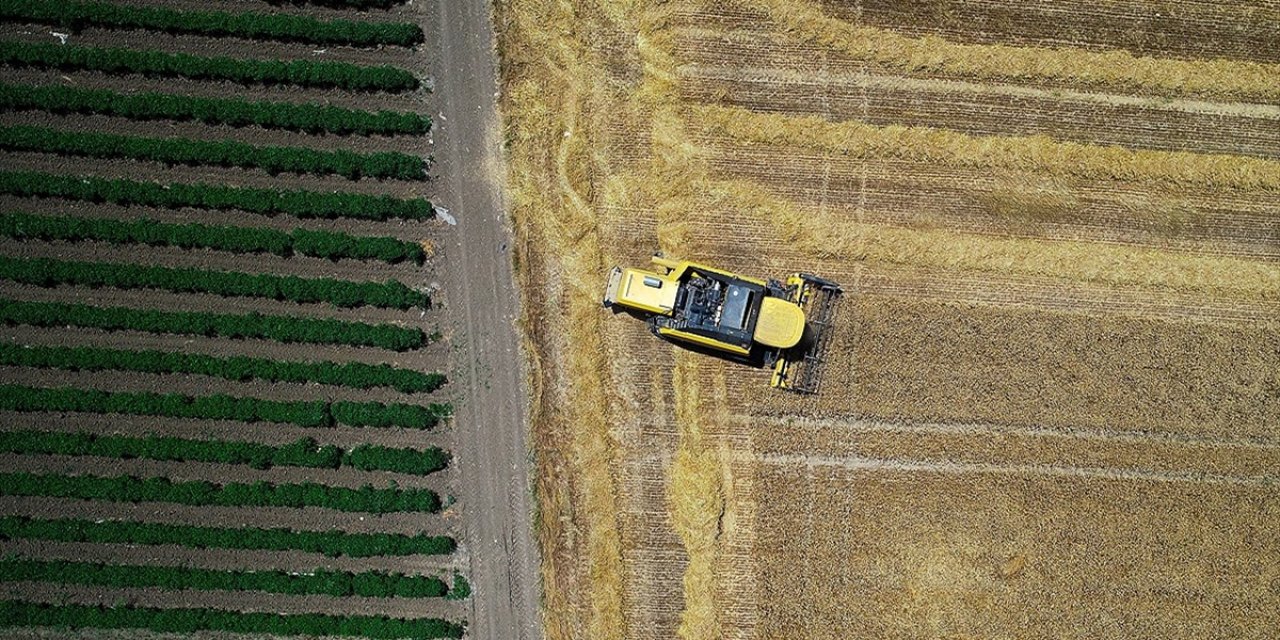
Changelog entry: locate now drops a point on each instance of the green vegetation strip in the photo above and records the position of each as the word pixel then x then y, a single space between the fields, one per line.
pixel 299 73
pixel 301 204
pixel 334 544
pixel 362 5
pixel 222 153
pixel 314 413
pixel 250 325
pixel 309 118
pixel 238 368
pixel 304 452
pixel 317 244
pixel 199 493
pixel 370 584
pixel 248 25
pixel 45 272
pixel 74 616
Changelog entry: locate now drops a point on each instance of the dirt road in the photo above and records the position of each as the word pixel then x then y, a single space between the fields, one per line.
pixel 493 471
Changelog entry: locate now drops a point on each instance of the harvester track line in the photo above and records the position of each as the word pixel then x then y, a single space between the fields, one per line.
pixel 860 463
pixel 859 425
pixel 940 85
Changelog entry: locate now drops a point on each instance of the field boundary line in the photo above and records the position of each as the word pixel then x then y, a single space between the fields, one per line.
pixel 862 463
pixel 881 81
pixel 807 21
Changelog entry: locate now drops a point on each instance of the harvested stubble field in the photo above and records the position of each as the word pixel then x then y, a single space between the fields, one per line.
pixel 1053 399
pixel 225 406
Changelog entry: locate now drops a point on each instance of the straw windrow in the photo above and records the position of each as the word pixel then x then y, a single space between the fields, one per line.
pixel 1118 70
pixel 1043 154
pixel 826 235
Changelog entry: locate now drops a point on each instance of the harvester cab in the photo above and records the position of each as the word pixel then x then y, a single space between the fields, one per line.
pixel 783 325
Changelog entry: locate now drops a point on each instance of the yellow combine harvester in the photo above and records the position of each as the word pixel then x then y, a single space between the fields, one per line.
pixel 785 326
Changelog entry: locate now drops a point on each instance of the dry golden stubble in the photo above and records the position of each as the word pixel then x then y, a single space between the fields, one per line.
pixel 696 499
pixel 1041 154
pixel 831 236
pixel 695 493
pixel 551 106
pixel 1224 455
pixel 897 359
pixel 1115 70
pixel 919 554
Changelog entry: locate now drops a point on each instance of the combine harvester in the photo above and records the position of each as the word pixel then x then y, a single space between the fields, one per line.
pixel 785 326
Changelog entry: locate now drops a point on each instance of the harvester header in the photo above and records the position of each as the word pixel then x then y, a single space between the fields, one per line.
pixel 783 325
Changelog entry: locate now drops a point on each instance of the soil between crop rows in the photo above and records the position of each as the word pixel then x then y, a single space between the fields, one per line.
pixel 432 277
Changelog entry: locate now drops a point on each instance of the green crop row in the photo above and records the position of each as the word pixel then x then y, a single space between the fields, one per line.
pixel 310 118
pixel 370 584
pixel 461 589
pixel 238 368
pixel 45 272
pixel 198 493
pixel 314 413
pixel 76 616
pixel 304 452
pixel 301 204
pixel 300 73
pixel 334 544
pixel 198 323
pixel 318 244
pixel 361 5
pixel 222 153
pixel 250 25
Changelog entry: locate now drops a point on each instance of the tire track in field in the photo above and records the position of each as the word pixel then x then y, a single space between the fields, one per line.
pixel 704 46
pixel 978 109
pixel 1232 29
pixel 807 21
pixel 1178 453
pixel 795 73
pixel 859 463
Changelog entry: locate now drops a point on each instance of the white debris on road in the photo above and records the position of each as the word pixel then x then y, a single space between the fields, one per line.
pixel 444 215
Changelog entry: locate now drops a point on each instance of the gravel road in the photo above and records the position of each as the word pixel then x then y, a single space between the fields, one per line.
pixel 492 460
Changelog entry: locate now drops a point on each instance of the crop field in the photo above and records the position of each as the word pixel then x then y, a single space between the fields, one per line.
pixel 1054 390
pixel 225 395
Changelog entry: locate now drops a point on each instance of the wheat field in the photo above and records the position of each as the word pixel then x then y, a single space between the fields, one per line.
pixel 1053 404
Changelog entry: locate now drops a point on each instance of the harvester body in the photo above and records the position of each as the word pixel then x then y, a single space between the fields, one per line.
pixel 782 325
